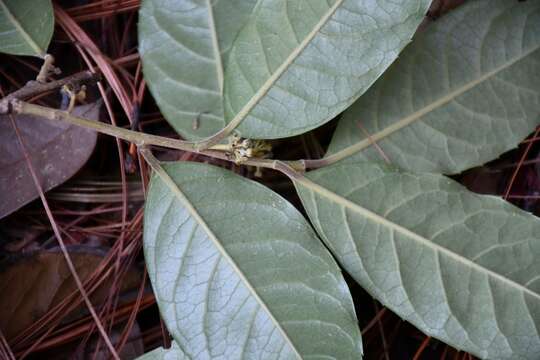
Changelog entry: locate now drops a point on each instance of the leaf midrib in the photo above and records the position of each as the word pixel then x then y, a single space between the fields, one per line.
pixel 215 45
pixel 265 88
pixel 169 182
pixel 37 49
pixel 419 114
pixel 374 217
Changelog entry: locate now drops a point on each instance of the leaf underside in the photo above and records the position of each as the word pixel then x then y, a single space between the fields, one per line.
pixel 463 268
pixel 277 68
pixel 173 353
pixel 238 272
pixel 26 27
pixel 179 48
pixel 466 90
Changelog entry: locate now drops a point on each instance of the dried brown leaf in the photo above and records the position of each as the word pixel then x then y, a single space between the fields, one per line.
pixel 36 283
pixel 57 150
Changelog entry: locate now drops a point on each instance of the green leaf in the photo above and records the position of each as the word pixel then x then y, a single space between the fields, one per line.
pixel 173 353
pixel 465 90
pixel 183 58
pixel 285 67
pixel 238 272
pixel 26 27
pixel 463 268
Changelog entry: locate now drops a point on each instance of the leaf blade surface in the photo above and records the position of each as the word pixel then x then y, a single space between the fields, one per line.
pixel 461 267
pixel 172 353
pixel 183 58
pixel 237 270
pixel 465 90
pixel 288 67
pixel 26 27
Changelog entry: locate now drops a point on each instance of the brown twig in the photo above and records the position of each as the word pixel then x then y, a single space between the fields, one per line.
pixel 46 69
pixel 374 321
pixel 33 88
pixel 422 348
pixel 76 33
pixel 521 161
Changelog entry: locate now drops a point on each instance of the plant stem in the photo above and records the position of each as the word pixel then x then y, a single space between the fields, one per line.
pixel 34 88
pixel 46 68
pixel 138 138
pixel 203 146
pixel 340 155
pixel 289 168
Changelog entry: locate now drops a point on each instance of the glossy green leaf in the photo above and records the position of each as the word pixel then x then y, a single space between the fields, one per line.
pixel 465 90
pixel 173 353
pixel 463 268
pixel 238 272
pixel 272 68
pixel 26 27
